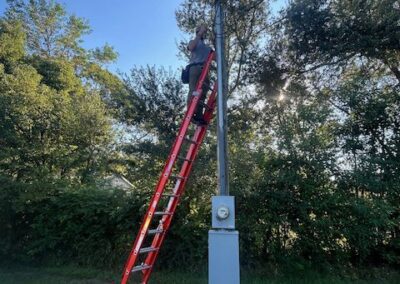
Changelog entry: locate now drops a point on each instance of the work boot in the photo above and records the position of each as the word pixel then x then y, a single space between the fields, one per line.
pixel 199 120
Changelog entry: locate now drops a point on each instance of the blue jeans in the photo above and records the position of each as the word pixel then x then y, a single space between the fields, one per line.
pixel 194 76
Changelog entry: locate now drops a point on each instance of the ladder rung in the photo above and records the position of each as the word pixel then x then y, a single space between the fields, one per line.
pixel 141 267
pixel 183 158
pixel 162 213
pixel 155 231
pixel 177 177
pixel 190 140
pixel 170 195
pixel 146 250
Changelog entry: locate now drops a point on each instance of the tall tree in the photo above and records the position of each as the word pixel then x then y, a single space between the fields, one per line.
pixel 334 33
pixel 245 27
pixel 53 118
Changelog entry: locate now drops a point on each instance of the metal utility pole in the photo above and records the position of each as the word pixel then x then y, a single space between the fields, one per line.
pixel 221 104
pixel 223 239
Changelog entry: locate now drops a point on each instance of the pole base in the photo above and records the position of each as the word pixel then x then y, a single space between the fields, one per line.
pixel 223 257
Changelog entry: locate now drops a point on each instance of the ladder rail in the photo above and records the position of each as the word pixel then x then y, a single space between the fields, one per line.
pixel 156 197
pixel 166 220
pixel 165 176
pixel 159 189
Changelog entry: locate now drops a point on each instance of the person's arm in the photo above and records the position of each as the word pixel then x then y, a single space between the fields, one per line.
pixel 192 44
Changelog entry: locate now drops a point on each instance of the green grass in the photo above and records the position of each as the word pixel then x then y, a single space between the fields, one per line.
pixel 48 275
pixel 74 275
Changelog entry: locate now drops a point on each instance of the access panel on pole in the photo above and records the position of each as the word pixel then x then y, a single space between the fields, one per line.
pixel 175 174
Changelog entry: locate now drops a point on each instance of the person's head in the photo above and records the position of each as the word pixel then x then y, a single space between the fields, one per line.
pixel 202 27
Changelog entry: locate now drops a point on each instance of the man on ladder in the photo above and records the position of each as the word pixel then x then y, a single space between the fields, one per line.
pixel 198 54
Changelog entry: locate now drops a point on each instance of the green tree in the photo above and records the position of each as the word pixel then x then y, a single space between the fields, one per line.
pixel 244 30
pixel 344 53
pixel 53 115
pixel 322 33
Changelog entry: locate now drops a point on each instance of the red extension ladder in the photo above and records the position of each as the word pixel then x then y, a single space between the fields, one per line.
pixel 164 213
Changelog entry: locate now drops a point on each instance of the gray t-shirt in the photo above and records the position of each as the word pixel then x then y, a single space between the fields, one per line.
pixel 199 53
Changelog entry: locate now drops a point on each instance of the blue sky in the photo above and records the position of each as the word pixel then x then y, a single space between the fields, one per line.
pixel 141 31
